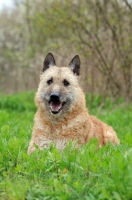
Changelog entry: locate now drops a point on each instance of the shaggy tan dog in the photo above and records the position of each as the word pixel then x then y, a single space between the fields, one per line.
pixel 62 114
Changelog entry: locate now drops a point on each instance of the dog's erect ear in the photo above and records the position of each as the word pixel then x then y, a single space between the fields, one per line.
pixel 75 65
pixel 49 61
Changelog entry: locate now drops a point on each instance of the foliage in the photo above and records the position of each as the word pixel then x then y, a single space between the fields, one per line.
pixel 23 102
pixel 84 173
pixel 98 30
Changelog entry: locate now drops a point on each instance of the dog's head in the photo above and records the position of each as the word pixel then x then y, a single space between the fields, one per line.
pixel 58 91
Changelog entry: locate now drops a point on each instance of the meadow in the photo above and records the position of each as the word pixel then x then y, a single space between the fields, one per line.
pixel 86 173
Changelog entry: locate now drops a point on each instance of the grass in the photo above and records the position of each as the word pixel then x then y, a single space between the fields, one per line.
pixel 85 173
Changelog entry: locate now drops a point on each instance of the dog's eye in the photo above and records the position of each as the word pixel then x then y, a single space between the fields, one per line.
pixel 50 81
pixel 66 83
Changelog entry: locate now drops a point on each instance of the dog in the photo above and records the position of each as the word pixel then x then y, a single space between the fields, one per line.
pixel 61 110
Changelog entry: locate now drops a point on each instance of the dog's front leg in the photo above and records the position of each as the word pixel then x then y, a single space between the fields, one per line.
pixel 38 139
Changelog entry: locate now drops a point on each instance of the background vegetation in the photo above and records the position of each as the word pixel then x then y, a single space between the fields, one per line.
pixel 85 173
pixel 98 30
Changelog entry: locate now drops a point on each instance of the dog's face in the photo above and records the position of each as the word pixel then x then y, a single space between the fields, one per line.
pixel 58 90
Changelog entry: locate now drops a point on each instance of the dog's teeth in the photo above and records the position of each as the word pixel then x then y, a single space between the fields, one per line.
pixel 55 107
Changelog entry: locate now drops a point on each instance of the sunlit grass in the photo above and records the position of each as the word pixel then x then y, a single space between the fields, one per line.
pixel 84 173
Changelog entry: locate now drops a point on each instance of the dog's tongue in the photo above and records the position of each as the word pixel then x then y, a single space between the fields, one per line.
pixel 55 106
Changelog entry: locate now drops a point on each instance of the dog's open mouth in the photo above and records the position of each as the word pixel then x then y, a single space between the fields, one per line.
pixel 56 106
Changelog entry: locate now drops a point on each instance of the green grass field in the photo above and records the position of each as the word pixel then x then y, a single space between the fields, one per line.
pixel 85 173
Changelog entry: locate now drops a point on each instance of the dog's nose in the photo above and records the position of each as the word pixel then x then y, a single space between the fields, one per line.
pixel 54 97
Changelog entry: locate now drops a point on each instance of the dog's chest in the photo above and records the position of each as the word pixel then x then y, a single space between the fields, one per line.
pixel 58 134
pixel 44 141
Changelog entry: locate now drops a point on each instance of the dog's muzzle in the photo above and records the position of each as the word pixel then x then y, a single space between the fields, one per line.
pixel 55 104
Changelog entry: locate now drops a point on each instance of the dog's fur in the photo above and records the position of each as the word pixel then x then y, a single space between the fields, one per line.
pixel 62 114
